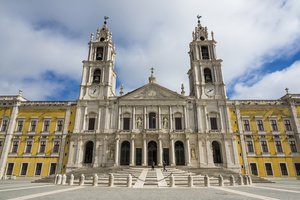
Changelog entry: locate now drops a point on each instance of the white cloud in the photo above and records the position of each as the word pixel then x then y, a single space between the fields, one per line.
pixel 271 86
pixel 147 34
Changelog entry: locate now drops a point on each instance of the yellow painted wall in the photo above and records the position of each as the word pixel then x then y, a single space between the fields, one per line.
pixel 31 167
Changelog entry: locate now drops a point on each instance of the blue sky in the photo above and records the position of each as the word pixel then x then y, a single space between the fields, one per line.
pixel 43 44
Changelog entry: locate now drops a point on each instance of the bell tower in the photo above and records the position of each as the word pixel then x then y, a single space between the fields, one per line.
pixel 99 76
pixel 205 75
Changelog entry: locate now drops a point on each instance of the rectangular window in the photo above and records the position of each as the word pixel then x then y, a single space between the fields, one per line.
pixel 246 125
pixel 91 124
pixel 250 147
pixel 297 168
pixel 10 168
pixel 260 125
pixel 28 147
pixel 278 147
pixel 1 145
pixel 60 125
pixel 52 168
pixel 283 169
pixel 20 126
pixel 38 169
pixel 287 124
pixel 42 146
pixel 99 55
pixel 253 168
pixel 24 169
pixel 178 125
pixel 269 170
pixel 293 146
pixel 152 120
pixel 264 146
pixel 213 124
pixel 274 125
pixel 46 125
pixel 126 123
pixel 15 147
pixel 204 51
pixel 4 125
pixel 33 126
pixel 56 147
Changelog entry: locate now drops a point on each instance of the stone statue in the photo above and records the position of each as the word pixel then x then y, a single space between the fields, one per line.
pixel 165 122
pixel 139 123
pixel 193 153
pixel 112 153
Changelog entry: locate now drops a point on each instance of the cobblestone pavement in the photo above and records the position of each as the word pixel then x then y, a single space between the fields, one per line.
pixel 24 189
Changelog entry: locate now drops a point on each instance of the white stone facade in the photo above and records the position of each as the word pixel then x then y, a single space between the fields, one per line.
pixel 152 123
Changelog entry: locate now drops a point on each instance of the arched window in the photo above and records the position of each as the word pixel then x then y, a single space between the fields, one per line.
pixel 96 77
pixel 207 75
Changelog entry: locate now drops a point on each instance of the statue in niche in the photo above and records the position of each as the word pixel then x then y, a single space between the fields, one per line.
pixel 112 153
pixel 139 123
pixel 193 153
pixel 165 122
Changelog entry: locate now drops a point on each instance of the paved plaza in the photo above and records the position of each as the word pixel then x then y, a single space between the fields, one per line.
pixel 24 189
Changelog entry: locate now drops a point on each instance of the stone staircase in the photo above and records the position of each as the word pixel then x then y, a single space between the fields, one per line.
pixel 145 177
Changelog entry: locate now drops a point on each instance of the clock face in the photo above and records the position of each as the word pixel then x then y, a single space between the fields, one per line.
pixel 93 91
pixel 210 91
pixel 152 93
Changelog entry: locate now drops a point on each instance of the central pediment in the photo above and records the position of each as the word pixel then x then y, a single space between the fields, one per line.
pixel 152 91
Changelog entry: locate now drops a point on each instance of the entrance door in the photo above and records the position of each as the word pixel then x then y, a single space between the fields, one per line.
pixel 253 168
pixel 166 155
pixel 88 158
pixel 152 153
pixel 179 153
pixel 125 153
pixel 138 154
pixel 297 168
pixel 216 152
pixel 10 168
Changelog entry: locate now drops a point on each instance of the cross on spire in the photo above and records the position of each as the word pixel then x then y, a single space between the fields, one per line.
pixel 105 18
pixel 151 70
pixel 198 16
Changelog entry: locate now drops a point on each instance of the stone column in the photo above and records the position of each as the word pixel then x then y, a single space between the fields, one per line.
pixel 227 153
pixel 132 149
pixel 144 150
pixel 8 139
pixel 145 117
pixel 207 127
pixel 99 120
pixel 96 153
pixel 172 147
pixel 104 160
pixel 199 119
pixel 84 119
pixel 71 153
pixel 209 155
pixel 221 119
pixel 119 118
pixel 188 152
pixel 63 142
pixel 201 154
pixel 159 117
pixel 186 118
pixel 117 150
pixel 160 151
pixel 78 161
pixel 133 118
pixel 170 119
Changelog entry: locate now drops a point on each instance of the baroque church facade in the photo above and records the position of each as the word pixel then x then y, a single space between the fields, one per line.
pixel 204 129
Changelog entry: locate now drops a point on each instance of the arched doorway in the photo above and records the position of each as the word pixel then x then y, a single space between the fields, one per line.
pixel 152 152
pixel 125 153
pixel 179 153
pixel 88 157
pixel 216 152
